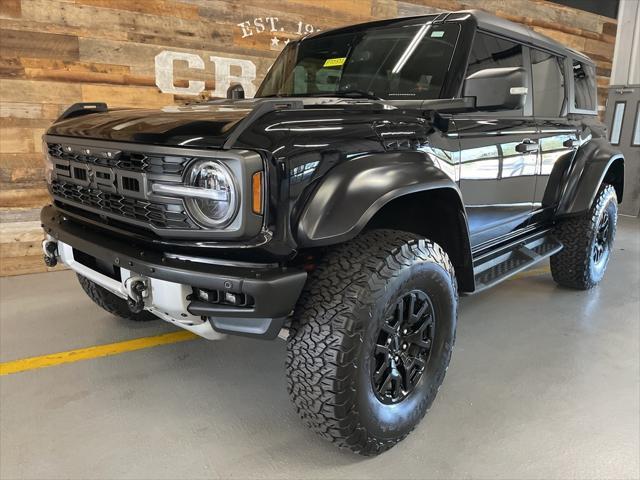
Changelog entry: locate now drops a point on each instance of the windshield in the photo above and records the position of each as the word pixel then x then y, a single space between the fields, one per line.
pixel 395 63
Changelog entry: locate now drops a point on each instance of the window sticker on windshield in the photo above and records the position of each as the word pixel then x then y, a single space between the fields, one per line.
pixel 334 62
pixel 439 34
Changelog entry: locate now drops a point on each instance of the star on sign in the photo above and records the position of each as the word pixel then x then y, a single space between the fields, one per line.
pixel 275 41
pixel 286 42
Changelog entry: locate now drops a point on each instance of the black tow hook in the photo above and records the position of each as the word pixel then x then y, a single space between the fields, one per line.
pixel 137 291
pixel 50 249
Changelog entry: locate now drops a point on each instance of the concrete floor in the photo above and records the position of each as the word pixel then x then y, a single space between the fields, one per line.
pixel 544 383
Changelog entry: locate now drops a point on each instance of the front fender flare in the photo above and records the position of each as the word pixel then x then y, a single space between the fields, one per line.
pixel 351 193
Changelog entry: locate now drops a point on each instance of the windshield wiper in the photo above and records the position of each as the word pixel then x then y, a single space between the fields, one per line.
pixel 354 93
pixel 340 93
pixel 343 94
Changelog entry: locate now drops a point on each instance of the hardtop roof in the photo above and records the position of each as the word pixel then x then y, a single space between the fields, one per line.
pixel 485 21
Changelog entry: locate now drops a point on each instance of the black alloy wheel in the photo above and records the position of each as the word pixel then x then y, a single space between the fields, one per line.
pixel 602 242
pixel 402 349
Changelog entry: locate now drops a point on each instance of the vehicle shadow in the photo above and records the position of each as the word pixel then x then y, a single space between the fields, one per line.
pixel 241 384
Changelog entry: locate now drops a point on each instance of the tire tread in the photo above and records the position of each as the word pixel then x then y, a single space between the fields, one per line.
pixel 571 266
pixel 325 334
pixel 111 303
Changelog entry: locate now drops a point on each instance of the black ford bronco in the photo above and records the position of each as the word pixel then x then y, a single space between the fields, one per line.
pixel 381 169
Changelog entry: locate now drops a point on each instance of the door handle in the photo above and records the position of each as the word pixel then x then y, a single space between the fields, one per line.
pixel 569 143
pixel 527 146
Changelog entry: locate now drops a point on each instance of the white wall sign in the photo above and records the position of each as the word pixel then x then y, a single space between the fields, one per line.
pixel 277 33
pixel 272 27
pixel 223 78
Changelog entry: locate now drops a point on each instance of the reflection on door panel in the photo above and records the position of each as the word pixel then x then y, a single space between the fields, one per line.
pixel 480 163
pixel 516 164
pixel 558 143
pixel 497 181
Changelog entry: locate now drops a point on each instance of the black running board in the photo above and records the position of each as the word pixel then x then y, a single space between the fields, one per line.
pixel 494 267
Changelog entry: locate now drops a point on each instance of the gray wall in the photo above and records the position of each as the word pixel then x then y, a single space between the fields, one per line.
pixel 626 57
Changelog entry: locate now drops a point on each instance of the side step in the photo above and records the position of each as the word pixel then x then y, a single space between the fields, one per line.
pixel 494 267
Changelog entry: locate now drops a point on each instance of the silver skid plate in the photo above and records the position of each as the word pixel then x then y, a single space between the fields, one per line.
pixel 166 300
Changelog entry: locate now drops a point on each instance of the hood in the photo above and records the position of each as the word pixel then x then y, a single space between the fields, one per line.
pixel 205 125
pixel 199 125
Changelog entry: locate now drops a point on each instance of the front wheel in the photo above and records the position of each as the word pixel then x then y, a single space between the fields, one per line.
pixel 371 339
pixel 588 242
pixel 112 303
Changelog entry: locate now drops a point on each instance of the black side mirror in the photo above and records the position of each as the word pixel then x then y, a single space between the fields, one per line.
pixel 235 92
pixel 498 88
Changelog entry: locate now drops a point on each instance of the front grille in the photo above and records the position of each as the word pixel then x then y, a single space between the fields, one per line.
pixel 156 214
pixel 110 181
pixel 131 161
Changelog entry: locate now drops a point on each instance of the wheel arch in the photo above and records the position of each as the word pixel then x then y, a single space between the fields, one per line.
pixel 400 190
pixel 614 175
pixel 595 163
pixel 437 214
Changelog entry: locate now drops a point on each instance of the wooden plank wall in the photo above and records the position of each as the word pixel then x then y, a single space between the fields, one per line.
pixel 57 52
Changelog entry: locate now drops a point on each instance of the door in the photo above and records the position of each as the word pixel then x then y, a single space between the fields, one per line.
pixel 498 151
pixel 623 119
pixel 557 137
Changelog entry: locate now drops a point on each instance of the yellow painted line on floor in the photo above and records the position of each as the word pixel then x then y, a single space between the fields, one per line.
pixel 118 348
pixel 96 351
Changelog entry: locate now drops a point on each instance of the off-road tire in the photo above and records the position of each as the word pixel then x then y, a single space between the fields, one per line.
pixel 112 303
pixel 574 265
pixel 334 327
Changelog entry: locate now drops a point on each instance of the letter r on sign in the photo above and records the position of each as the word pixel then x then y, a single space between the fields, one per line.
pixel 224 79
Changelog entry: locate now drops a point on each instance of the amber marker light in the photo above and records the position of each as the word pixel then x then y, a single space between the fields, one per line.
pixel 256 188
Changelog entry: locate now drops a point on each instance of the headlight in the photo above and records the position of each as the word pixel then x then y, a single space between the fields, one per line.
pixel 214 200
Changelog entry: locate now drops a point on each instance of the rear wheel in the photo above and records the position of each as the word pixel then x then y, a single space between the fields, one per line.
pixel 371 339
pixel 588 242
pixel 112 303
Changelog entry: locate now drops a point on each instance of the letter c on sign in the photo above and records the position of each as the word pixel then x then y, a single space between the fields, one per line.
pixel 164 72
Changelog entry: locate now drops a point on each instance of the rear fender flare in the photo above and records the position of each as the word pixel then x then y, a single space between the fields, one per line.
pixel 591 164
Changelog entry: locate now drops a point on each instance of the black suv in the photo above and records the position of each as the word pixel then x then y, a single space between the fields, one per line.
pixel 381 169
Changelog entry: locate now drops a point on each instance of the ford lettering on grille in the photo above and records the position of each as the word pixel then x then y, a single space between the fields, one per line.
pixel 106 179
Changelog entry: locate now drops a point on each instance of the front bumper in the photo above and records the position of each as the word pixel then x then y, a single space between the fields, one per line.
pixel 274 289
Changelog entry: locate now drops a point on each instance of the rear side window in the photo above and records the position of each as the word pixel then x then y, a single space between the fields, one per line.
pixel 548 84
pixel 584 80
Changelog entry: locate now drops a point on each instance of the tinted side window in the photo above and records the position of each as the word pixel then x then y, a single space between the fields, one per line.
pixel 584 79
pixel 493 52
pixel 548 84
